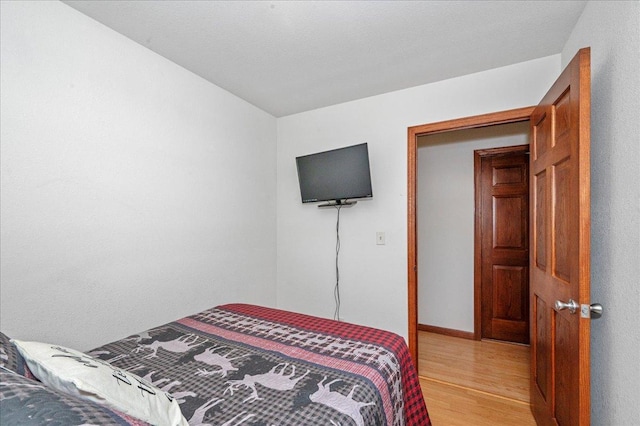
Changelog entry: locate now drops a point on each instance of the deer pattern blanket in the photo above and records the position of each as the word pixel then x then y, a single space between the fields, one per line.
pixel 248 365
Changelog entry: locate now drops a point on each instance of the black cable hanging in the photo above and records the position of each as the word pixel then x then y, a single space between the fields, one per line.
pixel 336 290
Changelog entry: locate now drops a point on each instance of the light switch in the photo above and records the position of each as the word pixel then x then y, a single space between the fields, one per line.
pixel 380 238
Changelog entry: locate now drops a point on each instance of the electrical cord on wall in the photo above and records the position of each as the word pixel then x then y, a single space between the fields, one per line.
pixel 336 290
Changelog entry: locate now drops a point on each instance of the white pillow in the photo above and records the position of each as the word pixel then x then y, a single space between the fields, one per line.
pixel 79 374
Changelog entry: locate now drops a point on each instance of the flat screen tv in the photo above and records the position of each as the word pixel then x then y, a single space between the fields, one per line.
pixel 337 175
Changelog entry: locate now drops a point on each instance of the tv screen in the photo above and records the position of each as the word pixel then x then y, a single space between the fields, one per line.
pixel 339 174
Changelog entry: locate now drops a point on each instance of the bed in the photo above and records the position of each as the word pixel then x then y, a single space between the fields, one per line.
pixel 234 364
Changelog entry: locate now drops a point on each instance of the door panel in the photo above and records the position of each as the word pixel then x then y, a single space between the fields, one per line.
pixel 542 376
pixel 560 221
pixel 508 292
pixel 512 234
pixel 539 241
pixel 561 210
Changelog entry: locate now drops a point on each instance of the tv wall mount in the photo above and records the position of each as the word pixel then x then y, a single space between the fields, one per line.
pixel 338 203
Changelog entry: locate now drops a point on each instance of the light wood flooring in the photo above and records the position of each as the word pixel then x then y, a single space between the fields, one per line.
pixel 469 382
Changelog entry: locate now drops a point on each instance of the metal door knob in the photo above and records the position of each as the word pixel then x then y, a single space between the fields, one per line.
pixel 571 305
pixel 596 309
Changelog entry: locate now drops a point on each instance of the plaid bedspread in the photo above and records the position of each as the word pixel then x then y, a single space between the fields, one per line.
pixel 247 365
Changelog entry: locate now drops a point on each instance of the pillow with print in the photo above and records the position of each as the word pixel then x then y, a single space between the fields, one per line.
pixel 81 375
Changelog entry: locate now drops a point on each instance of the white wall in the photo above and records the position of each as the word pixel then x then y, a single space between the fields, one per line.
pixel 133 192
pixel 446 204
pixel 374 278
pixel 612 29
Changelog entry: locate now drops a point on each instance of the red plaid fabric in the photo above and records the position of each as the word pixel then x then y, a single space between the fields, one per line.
pixel 415 409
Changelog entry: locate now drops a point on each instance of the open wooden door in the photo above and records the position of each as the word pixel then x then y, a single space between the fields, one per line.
pixel 559 255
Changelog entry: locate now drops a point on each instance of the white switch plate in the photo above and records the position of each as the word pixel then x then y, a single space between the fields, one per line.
pixel 380 238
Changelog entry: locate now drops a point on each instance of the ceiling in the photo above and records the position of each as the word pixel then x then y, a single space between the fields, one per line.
pixel 287 57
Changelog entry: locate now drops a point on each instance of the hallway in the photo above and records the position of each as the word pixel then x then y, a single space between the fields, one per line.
pixel 469 382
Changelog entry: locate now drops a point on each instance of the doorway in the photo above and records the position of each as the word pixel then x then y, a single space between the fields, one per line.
pixel 462 138
pixel 505 117
pixel 446 220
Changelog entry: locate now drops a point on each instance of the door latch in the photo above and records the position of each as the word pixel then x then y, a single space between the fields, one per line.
pixel 591 311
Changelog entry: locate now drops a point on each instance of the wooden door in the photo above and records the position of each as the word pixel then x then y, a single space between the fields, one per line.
pixel 502 242
pixel 560 249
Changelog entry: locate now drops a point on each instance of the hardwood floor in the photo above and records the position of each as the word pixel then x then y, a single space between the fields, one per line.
pixel 469 382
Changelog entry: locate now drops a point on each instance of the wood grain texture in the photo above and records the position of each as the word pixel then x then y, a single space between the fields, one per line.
pixel 490 366
pixel 451 405
pixel 469 382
